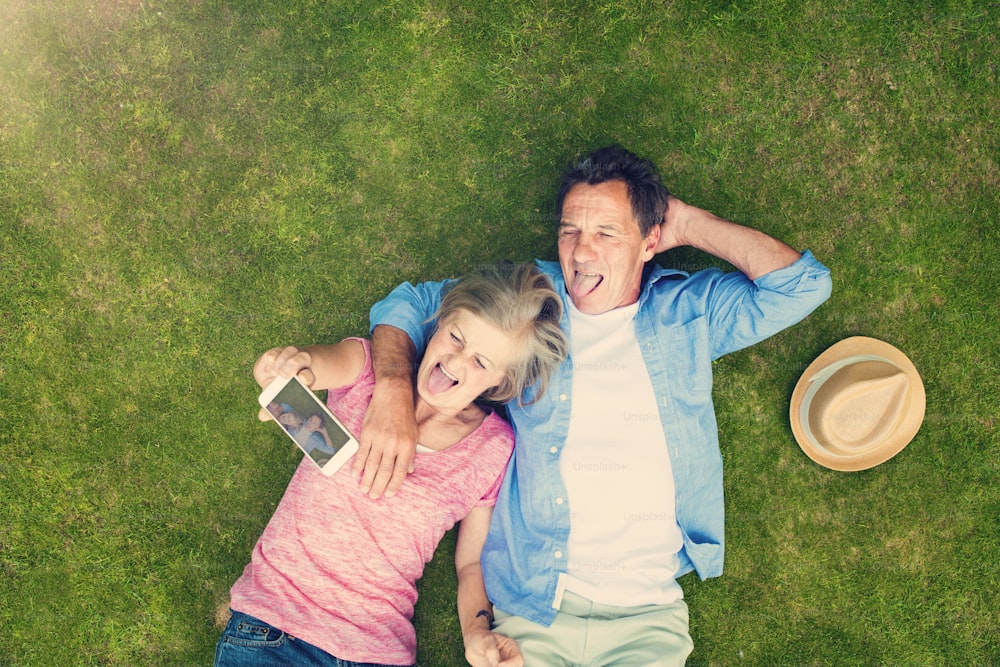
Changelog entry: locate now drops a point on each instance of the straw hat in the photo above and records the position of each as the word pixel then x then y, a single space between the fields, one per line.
pixel 857 405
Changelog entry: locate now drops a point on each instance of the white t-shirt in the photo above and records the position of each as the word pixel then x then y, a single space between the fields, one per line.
pixel 624 538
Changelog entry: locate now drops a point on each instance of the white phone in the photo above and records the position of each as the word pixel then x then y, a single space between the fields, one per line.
pixel 310 425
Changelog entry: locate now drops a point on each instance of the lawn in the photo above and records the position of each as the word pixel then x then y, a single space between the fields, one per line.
pixel 186 184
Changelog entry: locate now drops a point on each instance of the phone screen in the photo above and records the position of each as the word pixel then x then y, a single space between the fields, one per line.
pixel 308 422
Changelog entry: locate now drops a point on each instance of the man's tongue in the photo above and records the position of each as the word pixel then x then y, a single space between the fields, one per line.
pixel 584 283
pixel 437 381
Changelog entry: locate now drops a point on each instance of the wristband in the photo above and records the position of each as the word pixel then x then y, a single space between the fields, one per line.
pixel 487 614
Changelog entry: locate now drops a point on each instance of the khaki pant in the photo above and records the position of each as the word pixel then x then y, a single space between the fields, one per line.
pixel 588 634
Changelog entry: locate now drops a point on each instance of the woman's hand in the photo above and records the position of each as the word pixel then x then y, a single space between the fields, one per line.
pixel 484 648
pixel 286 362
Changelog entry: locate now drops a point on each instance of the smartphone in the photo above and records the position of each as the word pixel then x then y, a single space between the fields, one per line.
pixel 310 425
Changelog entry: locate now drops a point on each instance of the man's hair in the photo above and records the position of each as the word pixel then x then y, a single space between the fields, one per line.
pixel 646 192
pixel 517 299
pixel 291 416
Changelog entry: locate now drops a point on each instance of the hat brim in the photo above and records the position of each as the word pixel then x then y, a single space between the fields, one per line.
pixel 886 448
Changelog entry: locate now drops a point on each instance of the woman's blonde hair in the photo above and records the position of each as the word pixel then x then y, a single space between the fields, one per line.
pixel 517 299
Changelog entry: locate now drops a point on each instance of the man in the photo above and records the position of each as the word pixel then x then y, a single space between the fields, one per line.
pixel 615 487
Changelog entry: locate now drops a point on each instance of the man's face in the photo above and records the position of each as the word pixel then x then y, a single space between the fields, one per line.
pixel 601 250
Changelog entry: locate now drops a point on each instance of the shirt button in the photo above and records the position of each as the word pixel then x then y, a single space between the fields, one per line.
pixel 559 501
pixel 557 554
pixel 554 449
pixel 562 397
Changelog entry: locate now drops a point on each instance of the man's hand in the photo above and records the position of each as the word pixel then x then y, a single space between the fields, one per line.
pixel 749 250
pixel 388 442
pixel 490 649
pixel 671 229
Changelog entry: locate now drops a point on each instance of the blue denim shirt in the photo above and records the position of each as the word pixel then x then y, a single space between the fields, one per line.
pixel 684 322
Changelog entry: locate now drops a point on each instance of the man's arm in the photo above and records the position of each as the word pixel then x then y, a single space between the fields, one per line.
pixel 775 287
pixel 751 251
pixel 483 647
pixel 401 325
pixel 388 442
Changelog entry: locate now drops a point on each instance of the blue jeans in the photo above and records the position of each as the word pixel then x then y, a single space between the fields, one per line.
pixel 250 642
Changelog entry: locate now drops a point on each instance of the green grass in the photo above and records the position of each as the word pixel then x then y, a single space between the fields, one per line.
pixel 185 184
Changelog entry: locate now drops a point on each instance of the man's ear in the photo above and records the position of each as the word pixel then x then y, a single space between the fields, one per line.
pixel 650 242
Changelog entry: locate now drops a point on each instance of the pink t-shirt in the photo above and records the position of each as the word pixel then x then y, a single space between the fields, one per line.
pixel 339 570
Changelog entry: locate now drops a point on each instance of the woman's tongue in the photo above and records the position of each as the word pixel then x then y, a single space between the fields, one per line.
pixel 437 381
pixel 584 283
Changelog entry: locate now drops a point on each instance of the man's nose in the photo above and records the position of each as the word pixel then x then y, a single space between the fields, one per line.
pixel 584 250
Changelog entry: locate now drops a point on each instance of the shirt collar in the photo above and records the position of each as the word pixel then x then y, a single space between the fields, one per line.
pixel 652 273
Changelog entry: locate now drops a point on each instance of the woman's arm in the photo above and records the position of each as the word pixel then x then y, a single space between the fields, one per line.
pixel 483 647
pixel 318 366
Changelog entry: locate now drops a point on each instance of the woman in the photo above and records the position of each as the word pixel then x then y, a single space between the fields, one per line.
pixel 333 578
pixel 315 440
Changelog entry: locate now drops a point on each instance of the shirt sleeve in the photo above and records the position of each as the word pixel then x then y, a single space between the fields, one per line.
pixel 496 455
pixel 489 498
pixel 742 312
pixel 412 308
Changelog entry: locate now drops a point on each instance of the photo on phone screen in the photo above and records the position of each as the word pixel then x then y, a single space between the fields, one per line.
pixel 304 418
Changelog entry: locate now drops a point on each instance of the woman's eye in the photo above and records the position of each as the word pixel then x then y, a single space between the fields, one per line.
pixel 480 364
